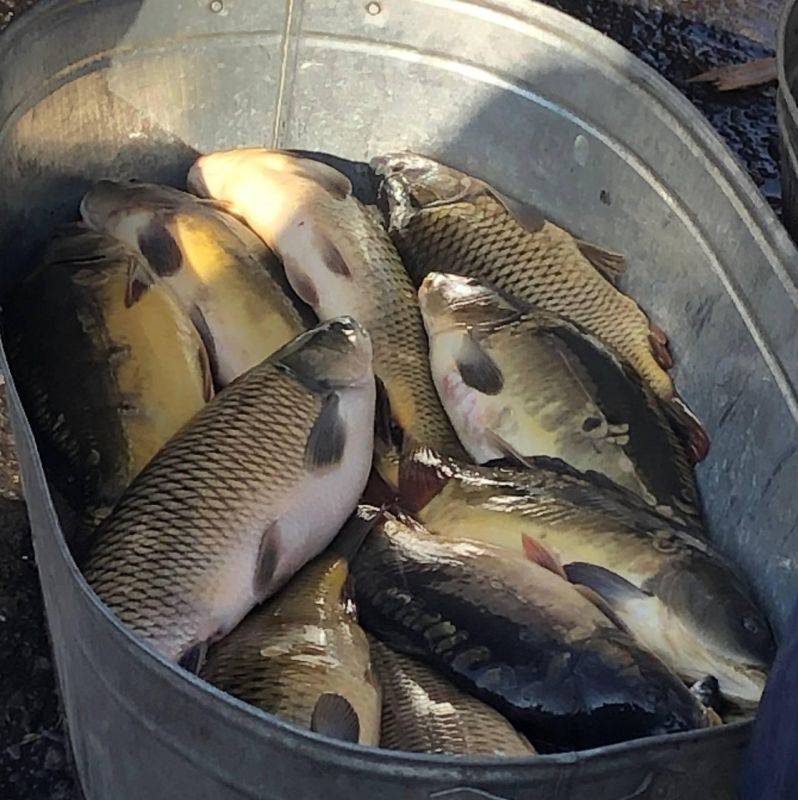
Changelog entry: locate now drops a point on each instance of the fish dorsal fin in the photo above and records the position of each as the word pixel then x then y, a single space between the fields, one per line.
pixel 525 214
pixel 334 716
pixel 539 554
pixel 477 369
pixel 611 265
pixel 335 183
pixel 327 439
pixel 422 475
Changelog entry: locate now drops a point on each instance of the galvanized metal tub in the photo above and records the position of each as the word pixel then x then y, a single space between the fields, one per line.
pixel 787 106
pixel 527 98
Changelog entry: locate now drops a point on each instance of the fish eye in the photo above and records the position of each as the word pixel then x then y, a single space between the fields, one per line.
pixel 751 625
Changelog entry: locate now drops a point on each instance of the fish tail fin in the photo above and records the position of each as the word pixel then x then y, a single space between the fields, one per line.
pixel 688 427
pixel 658 340
pixel 422 475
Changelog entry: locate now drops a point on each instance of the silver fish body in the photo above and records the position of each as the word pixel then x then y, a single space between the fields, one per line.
pixel 681 598
pixel 444 220
pixel 529 382
pixel 303 656
pixel 114 382
pixel 256 485
pixel 228 281
pixel 340 260
pixel 517 637
pixel 423 712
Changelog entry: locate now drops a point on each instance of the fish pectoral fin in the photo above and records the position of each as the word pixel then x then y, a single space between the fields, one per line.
pixel 263 582
pixel 422 476
pixel 334 716
pixel 159 247
pixel 139 279
pixel 510 456
pixel 613 588
pixel 204 331
pixel 477 369
pixel 327 439
pixel 539 554
pixel 193 659
pixel 611 265
pixel 602 605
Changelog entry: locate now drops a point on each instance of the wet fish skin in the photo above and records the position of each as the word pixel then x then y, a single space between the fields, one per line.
pixel 423 712
pixel 680 597
pixel 115 383
pixel 340 260
pixel 445 220
pixel 255 486
pixel 303 657
pixel 520 379
pixel 229 282
pixel 517 637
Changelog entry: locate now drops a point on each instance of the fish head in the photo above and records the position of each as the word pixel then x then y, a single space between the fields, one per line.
pixel 713 607
pixel 417 181
pixel 449 301
pixel 334 355
pixel 268 188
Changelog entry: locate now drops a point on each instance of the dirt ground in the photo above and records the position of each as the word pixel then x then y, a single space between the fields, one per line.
pixel 33 756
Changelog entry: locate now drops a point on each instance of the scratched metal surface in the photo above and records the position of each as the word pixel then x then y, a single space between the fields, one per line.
pixel 677 48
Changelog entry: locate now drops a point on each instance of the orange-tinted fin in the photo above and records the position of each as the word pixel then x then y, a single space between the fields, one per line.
pixel 658 340
pixel 611 265
pixel 740 76
pixel 689 429
pixel 422 475
pixel 541 555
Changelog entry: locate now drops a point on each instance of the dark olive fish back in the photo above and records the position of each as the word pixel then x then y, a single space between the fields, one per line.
pixel 561 672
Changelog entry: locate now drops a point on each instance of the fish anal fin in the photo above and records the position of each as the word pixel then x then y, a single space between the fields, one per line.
pixel 139 279
pixel 539 554
pixel 611 265
pixel 658 340
pixel 334 716
pixel 194 658
pixel 327 439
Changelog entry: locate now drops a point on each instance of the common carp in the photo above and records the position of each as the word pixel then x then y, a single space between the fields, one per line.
pixel 256 485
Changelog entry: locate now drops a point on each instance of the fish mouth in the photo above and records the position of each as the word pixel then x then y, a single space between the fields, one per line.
pixel 390 163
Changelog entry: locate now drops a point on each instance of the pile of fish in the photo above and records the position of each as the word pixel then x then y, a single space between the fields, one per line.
pixel 412 475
